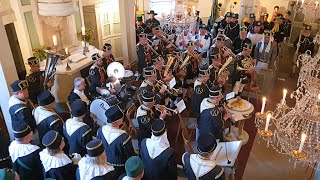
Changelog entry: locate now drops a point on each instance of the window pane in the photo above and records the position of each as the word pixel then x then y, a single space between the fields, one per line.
pixel 25 2
pixel 107 30
pixel 116 27
pixel 35 43
pixel 163 6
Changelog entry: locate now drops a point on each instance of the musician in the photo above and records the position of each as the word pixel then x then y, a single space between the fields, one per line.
pixel 94 164
pixel 158 65
pixel 25 156
pixel 192 67
pixel 265 25
pixel 163 47
pixel 255 35
pixel 215 66
pixel 107 55
pixel 227 41
pixel 202 40
pixel 76 132
pixel 233 28
pixel 243 71
pixel 134 169
pixel 303 44
pixel 156 154
pixel 200 166
pixel 56 164
pixel 142 49
pixel 241 40
pixel 183 39
pixel 211 118
pixel 201 88
pixel 117 143
pixel 140 27
pixel 46 118
pixel 146 115
pixel 277 29
pixel 97 76
pixel 287 24
pixel 152 22
pixel 250 25
pixel 150 84
pixel 36 79
pixel 265 52
pixel 19 109
pixel 216 48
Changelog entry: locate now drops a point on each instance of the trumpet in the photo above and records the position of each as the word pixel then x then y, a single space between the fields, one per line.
pixel 162 108
pixel 226 49
pixel 160 84
pixel 197 56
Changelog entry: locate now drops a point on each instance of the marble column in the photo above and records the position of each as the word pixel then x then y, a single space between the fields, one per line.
pixel 8 74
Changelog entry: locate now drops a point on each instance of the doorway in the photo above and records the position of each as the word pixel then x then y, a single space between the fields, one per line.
pixel 90 22
pixel 16 51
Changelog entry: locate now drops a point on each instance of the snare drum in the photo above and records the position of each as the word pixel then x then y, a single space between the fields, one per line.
pixel 128 76
pixel 100 105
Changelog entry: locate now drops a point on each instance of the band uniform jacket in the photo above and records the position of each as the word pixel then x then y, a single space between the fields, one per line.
pixel 266 57
pixel 140 29
pixel 242 62
pixel 238 44
pixel 26 160
pixel 287 28
pixel 306 43
pixel 5 161
pixel 215 50
pixel 78 134
pixel 74 96
pixel 145 117
pixel 250 26
pixel 47 120
pixel 105 62
pixel 142 57
pixel 152 23
pixel 232 30
pixel 36 86
pixel 201 91
pixel 211 119
pixel 162 167
pixel 278 35
pixel 97 77
pixel 20 112
pixel 200 169
pixel 118 146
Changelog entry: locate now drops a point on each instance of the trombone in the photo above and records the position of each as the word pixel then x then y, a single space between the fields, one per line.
pixel 169 111
pixel 151 48
pixel 169 42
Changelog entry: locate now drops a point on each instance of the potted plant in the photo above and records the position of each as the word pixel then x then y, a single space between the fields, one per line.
pixel 87 38
pixel 40 53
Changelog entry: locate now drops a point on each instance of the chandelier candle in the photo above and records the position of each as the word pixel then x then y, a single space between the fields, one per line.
pixel 83 31
pixel 54 40
pixel 267 122
pixel 303 139
pixel 264 99
pixel 284 95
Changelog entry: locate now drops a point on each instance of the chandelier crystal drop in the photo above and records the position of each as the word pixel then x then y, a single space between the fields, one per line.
pixel 295 131
pixel 310 9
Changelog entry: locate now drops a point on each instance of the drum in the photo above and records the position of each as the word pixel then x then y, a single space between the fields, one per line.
pixel 100 105
pixel 128 76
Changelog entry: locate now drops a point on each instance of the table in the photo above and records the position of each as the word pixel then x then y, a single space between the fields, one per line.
pixel 63 83
pixel 238 133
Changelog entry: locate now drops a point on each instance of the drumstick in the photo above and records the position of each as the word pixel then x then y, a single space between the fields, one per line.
pixel 218 153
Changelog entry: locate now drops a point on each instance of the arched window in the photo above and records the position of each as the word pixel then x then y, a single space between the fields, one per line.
pixel 162 6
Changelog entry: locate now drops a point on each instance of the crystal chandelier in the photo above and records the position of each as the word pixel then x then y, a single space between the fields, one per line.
pixel 310 9
pixel 295 131
pixel 181 16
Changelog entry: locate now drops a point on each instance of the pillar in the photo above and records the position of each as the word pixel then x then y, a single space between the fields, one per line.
pixel 8 74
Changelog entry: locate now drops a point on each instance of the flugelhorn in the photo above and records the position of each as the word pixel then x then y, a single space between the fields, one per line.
pixel 171 91
pixel 169 111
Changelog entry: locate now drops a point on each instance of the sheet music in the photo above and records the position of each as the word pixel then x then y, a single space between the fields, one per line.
pixel 172 83
pixel 237 117
pixel 233 149
pixel 181 106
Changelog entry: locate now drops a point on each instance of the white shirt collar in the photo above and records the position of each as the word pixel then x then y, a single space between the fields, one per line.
pixel 201 167
pixel 157 144
pixel 88 171
pixel 17 150
pixel 55 161
pixel 206 104
pixel 81 95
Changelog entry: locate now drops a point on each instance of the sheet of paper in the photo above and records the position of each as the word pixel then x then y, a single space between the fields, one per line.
pixel 230 95
pixel 172 83
pixel 237 117
pixel 181 106
pixel 155 42
pixel 226 151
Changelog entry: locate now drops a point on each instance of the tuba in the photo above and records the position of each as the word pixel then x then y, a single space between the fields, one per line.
pixel 185 61
pixel 246 64
pixel 50 70
pixel 170 62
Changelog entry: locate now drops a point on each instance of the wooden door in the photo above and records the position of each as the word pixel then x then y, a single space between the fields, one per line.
pixel 90 22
